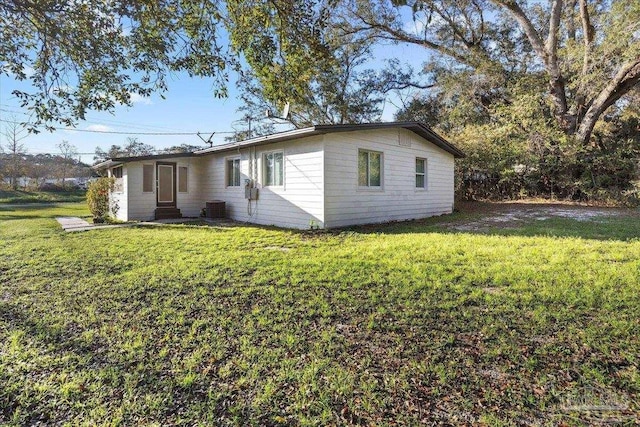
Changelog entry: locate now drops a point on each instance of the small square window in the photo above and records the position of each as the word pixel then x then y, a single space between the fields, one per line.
pixel 116 172
pixel 233 173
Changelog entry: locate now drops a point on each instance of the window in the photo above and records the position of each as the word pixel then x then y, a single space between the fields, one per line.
pixel 369 169
pixel 421 173
pixel 183 177
pixel 233 173
pixel 273 169
pixel 147 178
pixel 117 172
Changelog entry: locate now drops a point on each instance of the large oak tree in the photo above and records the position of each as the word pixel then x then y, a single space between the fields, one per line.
pixel 589 51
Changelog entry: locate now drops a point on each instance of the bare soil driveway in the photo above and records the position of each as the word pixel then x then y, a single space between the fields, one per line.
pixel 486 215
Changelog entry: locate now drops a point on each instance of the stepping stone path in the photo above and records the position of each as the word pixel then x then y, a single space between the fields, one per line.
pixel 71 223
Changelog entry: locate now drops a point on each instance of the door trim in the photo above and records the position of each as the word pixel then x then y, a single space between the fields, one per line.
pixel 171 204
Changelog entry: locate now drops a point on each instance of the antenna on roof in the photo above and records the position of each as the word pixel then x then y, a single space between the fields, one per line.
pixel 286 113
pixel 208 140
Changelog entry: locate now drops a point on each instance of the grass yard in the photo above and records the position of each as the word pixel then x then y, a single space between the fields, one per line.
pixel 21 197
pixel 533 323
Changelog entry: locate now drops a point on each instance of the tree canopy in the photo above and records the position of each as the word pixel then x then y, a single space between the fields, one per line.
pixel 548 88
pixel 94 54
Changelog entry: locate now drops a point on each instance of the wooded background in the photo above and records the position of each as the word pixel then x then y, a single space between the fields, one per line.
pixel 541 95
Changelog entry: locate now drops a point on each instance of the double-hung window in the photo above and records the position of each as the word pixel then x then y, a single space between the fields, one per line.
pixel 421 173
pixel 273 168
pixel 116 172
pixel 369 169
pixel 233 173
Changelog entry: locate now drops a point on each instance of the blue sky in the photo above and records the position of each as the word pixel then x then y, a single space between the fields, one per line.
pixel 189 106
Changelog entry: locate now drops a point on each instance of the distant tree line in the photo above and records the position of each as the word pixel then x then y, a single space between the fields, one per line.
pixel 40 171
pixel 136 148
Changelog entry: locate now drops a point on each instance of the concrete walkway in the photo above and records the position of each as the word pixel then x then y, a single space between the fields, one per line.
pixel 70 223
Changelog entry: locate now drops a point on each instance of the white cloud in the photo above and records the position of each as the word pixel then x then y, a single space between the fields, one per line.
pixel 27 69
pixel 139 99
pixel 99 128
pixel 414 27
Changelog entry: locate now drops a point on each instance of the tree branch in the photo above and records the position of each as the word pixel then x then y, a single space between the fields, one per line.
pixel 625 79
pixel 551 45
pixel 528 28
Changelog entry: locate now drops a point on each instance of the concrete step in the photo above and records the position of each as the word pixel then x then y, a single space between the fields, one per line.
pixel 167 213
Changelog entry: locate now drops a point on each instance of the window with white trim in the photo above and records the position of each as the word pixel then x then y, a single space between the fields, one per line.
pixel 369 169
pixel 116 172
pixel 273 168
pixel 233 172
pixel 421 173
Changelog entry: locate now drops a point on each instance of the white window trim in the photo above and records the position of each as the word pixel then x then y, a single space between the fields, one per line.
pixel 264 169
pixel 426 171
pixel 113 175
pixel 369 188
pixel 226 171
pixel 153 178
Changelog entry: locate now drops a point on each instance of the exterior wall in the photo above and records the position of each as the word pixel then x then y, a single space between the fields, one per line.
pixel 141 205
pixel 296 204
pixel 118 198
pixel 320 185
pixel 348 204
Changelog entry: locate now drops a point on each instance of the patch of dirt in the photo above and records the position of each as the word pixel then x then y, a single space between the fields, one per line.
pixel 515 214
pixel 492 290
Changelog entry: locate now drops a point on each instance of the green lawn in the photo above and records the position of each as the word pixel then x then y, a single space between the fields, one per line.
pixel 21 197
pixel 392 325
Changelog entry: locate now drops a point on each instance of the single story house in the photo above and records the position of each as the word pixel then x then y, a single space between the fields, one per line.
pixel 321 176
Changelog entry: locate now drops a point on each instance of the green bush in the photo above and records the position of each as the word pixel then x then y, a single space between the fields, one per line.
pixel 98 199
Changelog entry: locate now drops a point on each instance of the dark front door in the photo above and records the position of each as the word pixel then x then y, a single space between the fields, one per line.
pixel 166 185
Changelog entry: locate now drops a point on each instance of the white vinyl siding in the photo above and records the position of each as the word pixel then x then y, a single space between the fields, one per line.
pixel 346 204
pixel 119 195
pixel 295 203
pixel 319 186
pixel 141 205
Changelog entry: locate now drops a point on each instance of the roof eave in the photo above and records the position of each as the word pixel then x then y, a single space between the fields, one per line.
pixel 105 164
pixel 260 140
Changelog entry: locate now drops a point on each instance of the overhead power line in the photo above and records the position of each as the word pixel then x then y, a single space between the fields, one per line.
pixel 113 132
pixel 117 123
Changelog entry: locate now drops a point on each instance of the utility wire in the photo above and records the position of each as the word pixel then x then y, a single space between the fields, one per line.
pixel 144 127
pixel 125 133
